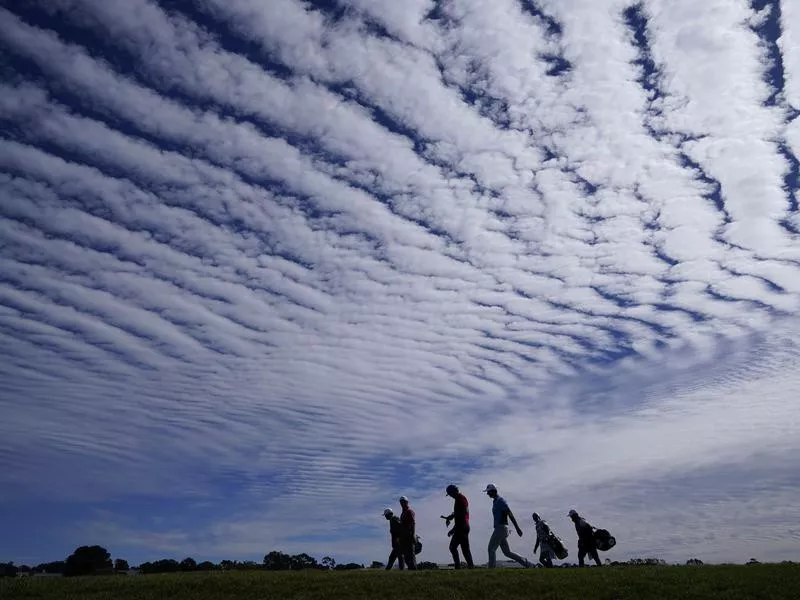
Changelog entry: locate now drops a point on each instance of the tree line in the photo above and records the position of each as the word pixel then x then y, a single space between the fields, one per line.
pixel 96 560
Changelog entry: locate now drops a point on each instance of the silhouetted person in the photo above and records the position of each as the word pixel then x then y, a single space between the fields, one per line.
pixel 546 552
pixel 586 542
pixel 396 533
pixel 501 514
pixel 460 532
pixel 409 530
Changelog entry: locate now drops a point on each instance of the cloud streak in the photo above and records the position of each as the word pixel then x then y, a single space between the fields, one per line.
pixel 281 255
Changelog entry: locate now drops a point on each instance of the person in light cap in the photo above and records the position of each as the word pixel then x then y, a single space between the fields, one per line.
pixel 460 531
pixel 501 514
pixel 396 533
pixel 409 530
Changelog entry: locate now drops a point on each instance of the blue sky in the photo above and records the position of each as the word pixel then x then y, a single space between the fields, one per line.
pixel 268 265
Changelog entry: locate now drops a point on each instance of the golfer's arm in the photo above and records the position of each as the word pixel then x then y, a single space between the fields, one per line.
pixel 512 519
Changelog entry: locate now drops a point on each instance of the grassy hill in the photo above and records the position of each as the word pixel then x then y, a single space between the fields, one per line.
pixel 767 582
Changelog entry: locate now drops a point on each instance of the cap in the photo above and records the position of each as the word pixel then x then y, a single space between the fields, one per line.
pixel 452 488
pixel 490 488
pixel 572 513
pixel 535 516
pixel 387 512
pixel 403 499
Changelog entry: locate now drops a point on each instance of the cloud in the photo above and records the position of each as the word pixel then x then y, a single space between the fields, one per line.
pixel 263 260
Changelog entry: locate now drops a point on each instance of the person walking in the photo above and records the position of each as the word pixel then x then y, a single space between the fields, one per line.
pixel 587 544
pixel 546 552
pixel 460 532
pixel 396 534
pixel 409 531
pixel 501 514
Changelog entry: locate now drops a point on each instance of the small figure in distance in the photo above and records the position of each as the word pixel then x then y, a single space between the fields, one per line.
pixel 501 514
pixel 396 533
pixel 460 532
pixel 586 542
pixel 546 553
pixel 409 530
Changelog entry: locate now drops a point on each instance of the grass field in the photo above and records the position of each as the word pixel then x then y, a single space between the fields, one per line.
pixel 767 582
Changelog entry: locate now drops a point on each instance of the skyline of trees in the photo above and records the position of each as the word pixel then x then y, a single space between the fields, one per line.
pixel 96 560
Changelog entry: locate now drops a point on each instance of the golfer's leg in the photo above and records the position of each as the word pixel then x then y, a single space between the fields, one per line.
pixel 494 542
pixel 454 551
pixel 411 560
pixel 504 547
pixel 466 551
pixel 581 556
pixel 593 554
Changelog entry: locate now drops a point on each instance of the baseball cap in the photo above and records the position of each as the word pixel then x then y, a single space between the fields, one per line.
pixel 403 499
pixel 572 513
pixel 451 488
pixel 490 488
pixel 387 512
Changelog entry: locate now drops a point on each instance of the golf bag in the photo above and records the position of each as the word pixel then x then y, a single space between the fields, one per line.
pixel 557 545
pixel 605 541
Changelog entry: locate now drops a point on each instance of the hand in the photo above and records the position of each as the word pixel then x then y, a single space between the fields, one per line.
pixel 447 521
pixel 450 533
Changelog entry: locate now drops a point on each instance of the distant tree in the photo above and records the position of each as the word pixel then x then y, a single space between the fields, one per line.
pixel 694 561
pixel 303 561
pixel 648 562
pixel 56 567
pixel 348 567
pixel 25 569
pixel 427 566
pixel 277 561
pixel 88 560
pixel 328 562
pixel 376 564
pixel 206 565
pixel 8 570
pixel 226 565
pixel 753 561
pixel 165 565
pixel 121 565
pixel 188 564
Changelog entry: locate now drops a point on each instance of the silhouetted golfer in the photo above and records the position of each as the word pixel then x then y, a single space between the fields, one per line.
pixel 501 514
pixel 396 533
pixel 460 532
pixel 409 530
pixel 546 552
pixel 586 542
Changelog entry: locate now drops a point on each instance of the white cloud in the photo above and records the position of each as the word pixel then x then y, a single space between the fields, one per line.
pixel 488 246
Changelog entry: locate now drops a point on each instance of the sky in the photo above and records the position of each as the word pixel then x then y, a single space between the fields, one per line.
pixel 266 266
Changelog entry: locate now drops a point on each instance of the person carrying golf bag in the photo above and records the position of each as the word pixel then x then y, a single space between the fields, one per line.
pixel 543 542
pixel 396 533
pixel 587 543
